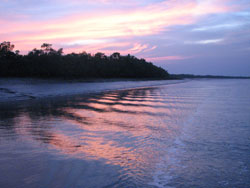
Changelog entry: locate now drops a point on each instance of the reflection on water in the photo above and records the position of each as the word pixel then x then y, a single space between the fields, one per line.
pixel 167 136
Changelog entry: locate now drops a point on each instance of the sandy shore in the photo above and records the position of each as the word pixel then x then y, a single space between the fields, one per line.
pixel 14 89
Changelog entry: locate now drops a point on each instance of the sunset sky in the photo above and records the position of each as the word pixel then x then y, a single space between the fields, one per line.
pixel 182 36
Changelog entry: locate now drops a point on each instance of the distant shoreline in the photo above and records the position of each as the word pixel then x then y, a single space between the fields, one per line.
pixel 191 76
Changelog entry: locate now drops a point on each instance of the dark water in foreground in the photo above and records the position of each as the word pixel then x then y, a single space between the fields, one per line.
pixel 193 134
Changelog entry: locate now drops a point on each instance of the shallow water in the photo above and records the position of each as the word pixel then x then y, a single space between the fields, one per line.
pixel 192 134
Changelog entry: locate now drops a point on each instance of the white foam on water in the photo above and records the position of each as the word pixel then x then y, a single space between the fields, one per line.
pixel 164 172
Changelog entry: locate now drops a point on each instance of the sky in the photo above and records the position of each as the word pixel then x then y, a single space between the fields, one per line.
pixel 182 36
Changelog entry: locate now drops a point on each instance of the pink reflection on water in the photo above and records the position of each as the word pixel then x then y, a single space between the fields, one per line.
pixel 116 127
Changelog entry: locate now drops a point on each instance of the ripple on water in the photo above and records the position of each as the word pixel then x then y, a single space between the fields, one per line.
pixel 192 134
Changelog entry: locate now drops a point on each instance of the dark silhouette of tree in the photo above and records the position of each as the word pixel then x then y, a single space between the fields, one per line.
pixel 115 55
pixel 35 52
pixel 60 51
pixel 17 52
pixel 6 47
pixel 100 55
pixel 48 62
pixel 46 47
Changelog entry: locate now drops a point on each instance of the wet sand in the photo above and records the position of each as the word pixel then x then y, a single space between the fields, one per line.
pixel 14 90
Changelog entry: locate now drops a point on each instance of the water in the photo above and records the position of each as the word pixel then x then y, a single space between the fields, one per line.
pixel 191 134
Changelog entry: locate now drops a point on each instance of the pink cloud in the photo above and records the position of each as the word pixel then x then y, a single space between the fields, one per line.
pixel 144 21
pixel 124 48
pixel 167 58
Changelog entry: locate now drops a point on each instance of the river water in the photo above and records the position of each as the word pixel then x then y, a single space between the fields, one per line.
pixel 190 134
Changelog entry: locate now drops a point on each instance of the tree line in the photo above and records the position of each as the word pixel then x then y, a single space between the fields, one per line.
pixel 47 62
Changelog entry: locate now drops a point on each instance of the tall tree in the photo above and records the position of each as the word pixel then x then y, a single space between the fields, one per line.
pixel 6 47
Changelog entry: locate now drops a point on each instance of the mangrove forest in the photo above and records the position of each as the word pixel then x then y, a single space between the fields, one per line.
pixel 47 62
